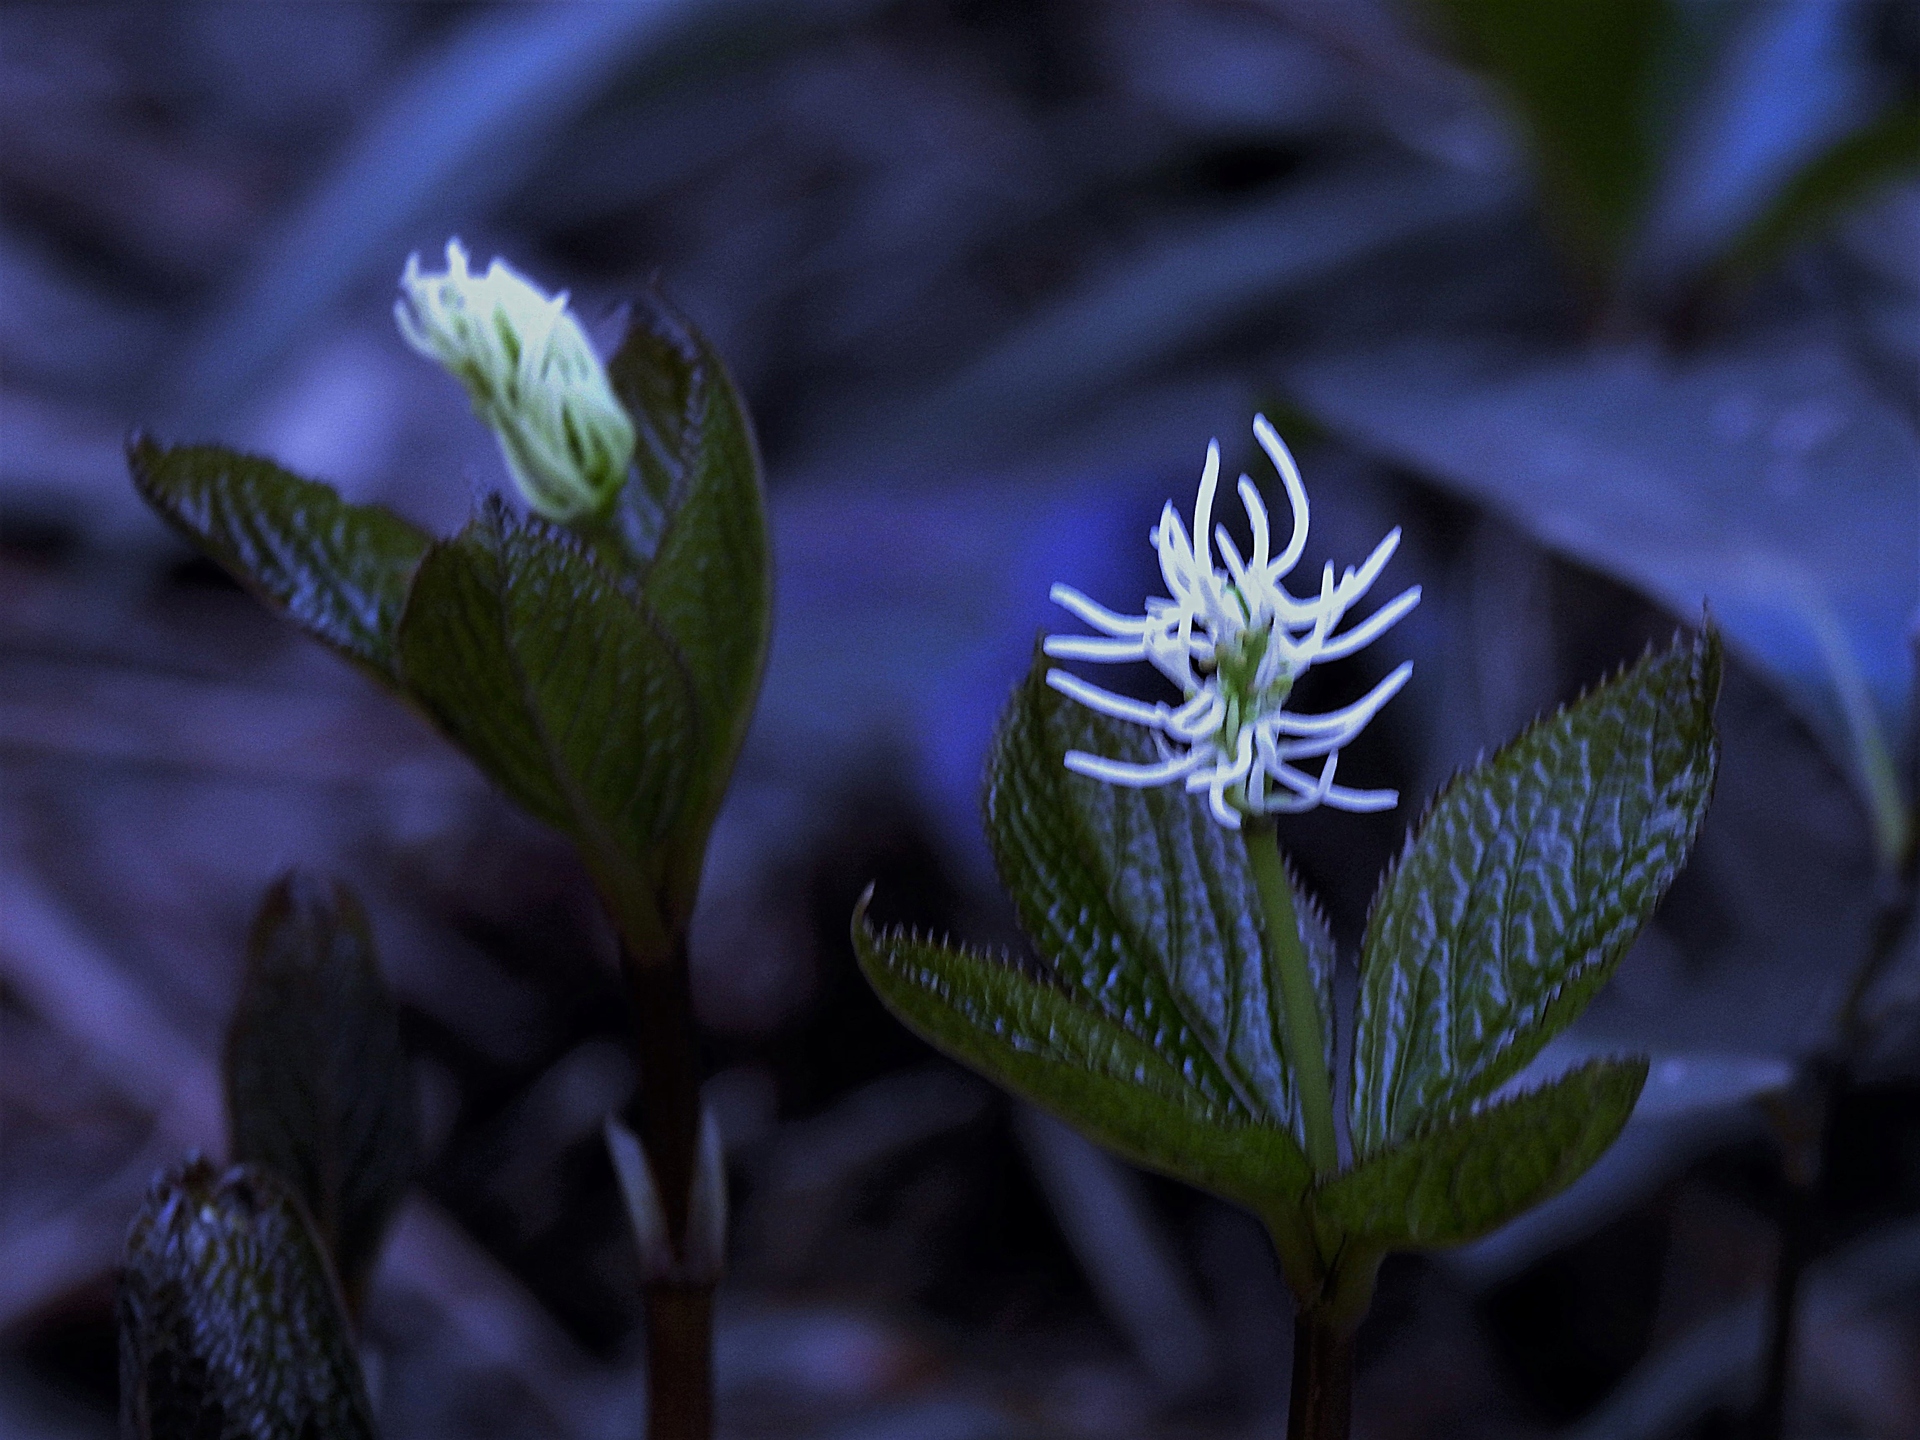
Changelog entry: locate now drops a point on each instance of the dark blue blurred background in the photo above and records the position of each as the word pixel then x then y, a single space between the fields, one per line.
pixel 1614 305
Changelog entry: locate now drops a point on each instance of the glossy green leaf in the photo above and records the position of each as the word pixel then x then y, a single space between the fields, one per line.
pixel 230 1321
pixel 1143 906
pixel 338 570
pixel 551 674
pixel 1474 1173
pixel 698 514
pixel 317 1083
pixel 1052 1046
pixel 1523 887
pixel 1582 74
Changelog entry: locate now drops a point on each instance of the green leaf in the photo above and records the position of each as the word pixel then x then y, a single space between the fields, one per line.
pixel 698 512
pixel 1583 75
pixel 317 1083
pixel 230 1321
pixel 556 680
pixel 1474 1173
pixel 1831 182
pixel 1144 907
pixel 1053 1047
pixel 338 570
pixel 1523 887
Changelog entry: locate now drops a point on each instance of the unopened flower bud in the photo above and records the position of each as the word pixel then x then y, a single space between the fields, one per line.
pixel 532 376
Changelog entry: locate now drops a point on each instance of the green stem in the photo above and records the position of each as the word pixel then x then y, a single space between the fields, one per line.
pixel 668 1052
pixel 1305 1026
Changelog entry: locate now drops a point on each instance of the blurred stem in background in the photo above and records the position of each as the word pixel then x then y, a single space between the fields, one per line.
pixel 1683 150
pixel 1802 1119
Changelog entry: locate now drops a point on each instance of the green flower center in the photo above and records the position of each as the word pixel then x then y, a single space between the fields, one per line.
pixel 1237 667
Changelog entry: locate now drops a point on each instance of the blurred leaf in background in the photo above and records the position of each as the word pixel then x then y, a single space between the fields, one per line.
pixel 318 1086
pixel 1582 74
pixel 1864 162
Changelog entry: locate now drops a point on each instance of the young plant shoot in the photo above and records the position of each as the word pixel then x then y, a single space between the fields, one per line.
pixel 598 658
pixel 1183 1011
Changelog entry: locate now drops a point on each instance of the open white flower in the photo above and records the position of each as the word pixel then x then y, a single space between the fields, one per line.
pixel 532 375
pixel 1234 641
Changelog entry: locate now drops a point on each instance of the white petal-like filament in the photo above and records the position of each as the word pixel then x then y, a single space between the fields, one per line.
pixel 1371 628
pixel 1105 701
pixel 1119 772
pixel 1088 647
pixel 1210 615
pixel 1098 616
pixel 1282 458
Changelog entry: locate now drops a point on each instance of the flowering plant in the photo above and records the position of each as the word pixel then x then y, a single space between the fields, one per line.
pixel 1183 1008
pixel 599 659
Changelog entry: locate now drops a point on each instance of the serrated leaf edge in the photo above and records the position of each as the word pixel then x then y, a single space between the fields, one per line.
pixel 1707 653
pixel 1501 1099
pixel 140 445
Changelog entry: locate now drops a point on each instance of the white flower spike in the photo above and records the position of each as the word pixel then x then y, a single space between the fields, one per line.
pixel 532 376
pixel 1234 641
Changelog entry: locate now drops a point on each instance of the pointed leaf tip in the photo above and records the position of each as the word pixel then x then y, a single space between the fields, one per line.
pixel 317 1082
pixel 1524 885
pixel 338 570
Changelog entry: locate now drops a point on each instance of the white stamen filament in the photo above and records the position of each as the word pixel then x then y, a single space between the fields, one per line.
pixel 1371 628
pixel 1106 702
pixel 1205 616
pixel 1097 615
pixel 1086 647
pixel 1119 772
pixel 1282 458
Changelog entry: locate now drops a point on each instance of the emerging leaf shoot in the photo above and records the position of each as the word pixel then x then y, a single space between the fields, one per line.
pixel 606 687
pixel 317 1083
pixel 230 1321
pixel 603 675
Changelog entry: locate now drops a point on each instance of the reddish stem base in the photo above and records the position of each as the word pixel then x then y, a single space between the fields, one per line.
pixel 1321 1406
